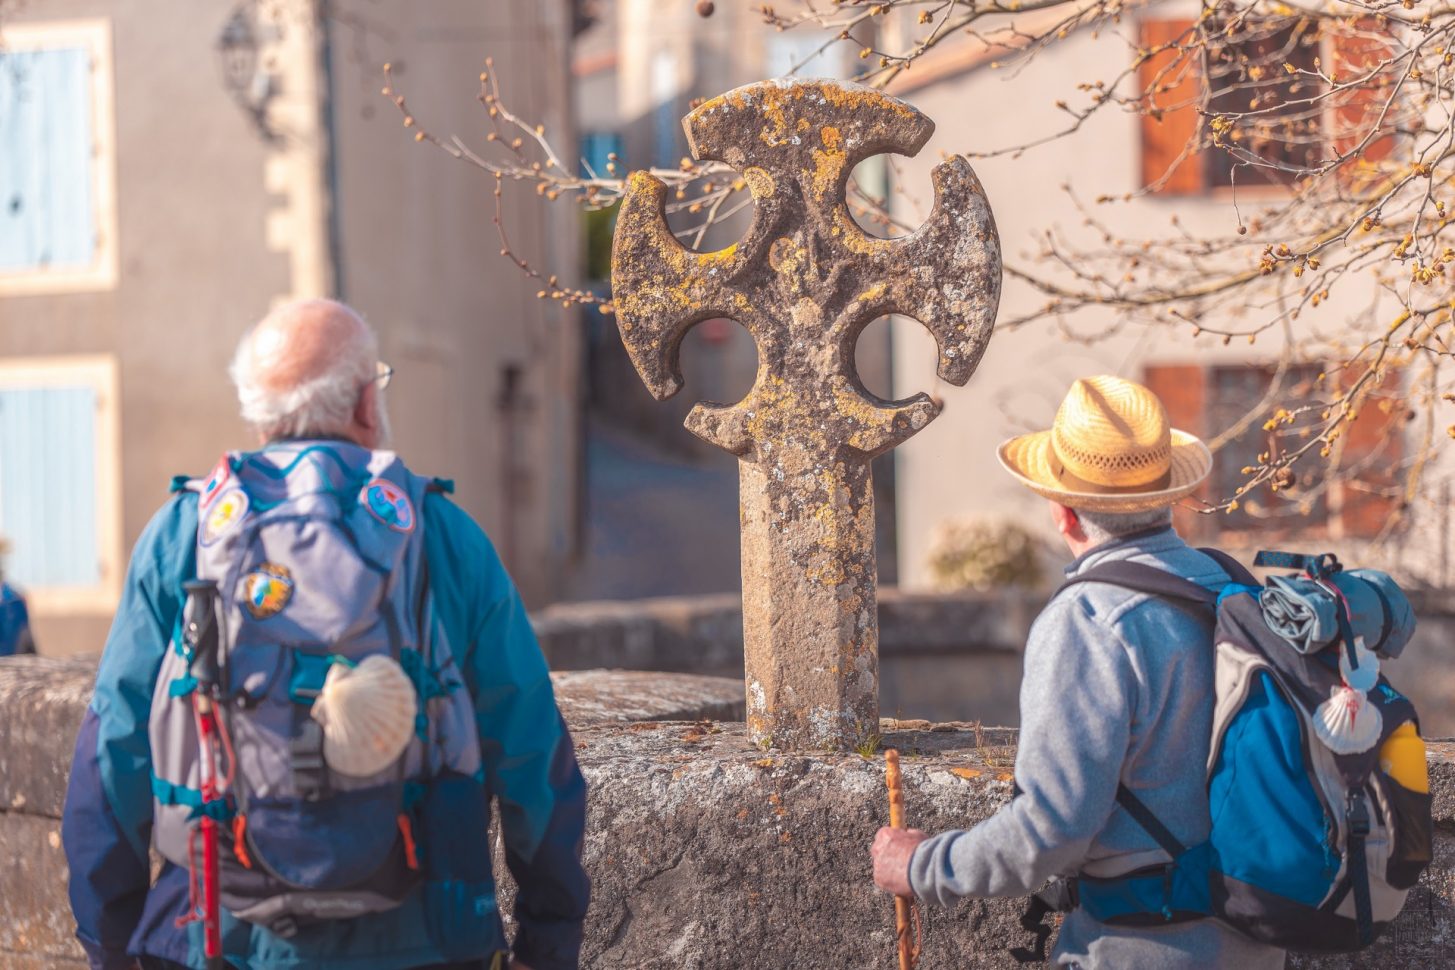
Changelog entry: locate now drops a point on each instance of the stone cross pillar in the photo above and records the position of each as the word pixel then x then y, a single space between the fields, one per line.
pixel 805 281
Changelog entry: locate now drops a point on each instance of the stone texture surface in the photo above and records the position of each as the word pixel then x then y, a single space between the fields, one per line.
pixel 42 701
pixel 941 655
pixel 622 696
pixel 41 704
pixel 708 852
pixel 36 929
pixel 704 634
pixel 805 281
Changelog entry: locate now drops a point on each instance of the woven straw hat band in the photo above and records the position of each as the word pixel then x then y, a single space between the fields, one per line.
pixel 1111 436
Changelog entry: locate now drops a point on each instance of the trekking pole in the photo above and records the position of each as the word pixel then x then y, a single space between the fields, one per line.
pixel 200 631
pixel 908 952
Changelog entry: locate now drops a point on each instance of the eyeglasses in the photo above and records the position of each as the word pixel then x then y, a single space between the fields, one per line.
pixel 384 375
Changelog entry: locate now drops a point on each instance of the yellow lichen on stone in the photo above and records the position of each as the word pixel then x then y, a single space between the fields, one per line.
pixel 717 256
pixel 788 260
pixel 872 293
pixel 760 183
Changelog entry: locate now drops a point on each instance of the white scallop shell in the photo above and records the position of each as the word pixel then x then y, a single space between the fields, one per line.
pixel 1366 675
pixel 367 712
pixel 1347 723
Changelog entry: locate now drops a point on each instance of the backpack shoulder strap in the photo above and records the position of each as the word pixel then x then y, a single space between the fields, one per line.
pixel 1142 578
pixel 1236 571
pixel 1149 822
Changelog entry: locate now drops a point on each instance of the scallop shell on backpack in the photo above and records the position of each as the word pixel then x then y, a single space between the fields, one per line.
pixel 367 712
pixel 1347 723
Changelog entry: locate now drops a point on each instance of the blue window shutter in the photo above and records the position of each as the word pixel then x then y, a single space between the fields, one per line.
pixel 46 217
pixel 597 147
pixel 48 485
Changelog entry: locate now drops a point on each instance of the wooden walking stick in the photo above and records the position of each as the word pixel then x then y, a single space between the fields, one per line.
pixel 908 950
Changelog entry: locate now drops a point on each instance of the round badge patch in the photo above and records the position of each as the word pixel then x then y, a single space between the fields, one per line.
pixel 267 590
pixel 388 503
pixel 228 511
pixel 215 481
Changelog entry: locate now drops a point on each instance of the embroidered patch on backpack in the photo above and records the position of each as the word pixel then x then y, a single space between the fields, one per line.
pixel 226 514
pixel 215 481
pixel 267 590
pixel 388 503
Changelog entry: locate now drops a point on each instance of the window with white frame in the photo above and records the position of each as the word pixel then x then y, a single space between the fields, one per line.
pixel 60 480
pixel 57 165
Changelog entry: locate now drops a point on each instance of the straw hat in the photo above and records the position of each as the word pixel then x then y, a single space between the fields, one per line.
pixel 1109 450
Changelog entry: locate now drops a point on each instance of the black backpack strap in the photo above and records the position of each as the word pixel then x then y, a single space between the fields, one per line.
pixel 1357 814
pixel 1059 896
pixel 1236 571
pixel 1143 578
pixel 1149 822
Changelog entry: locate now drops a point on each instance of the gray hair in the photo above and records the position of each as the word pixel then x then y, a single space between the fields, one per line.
pixel 1103 527
pixel 321 406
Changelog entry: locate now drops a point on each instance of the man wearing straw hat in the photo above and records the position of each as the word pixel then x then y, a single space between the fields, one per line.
pixel 1117 691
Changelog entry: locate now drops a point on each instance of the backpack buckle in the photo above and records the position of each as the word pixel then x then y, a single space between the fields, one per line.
pixel 1357 814
pixel 310 770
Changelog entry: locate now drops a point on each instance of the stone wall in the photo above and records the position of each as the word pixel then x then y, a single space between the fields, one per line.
pixel 708 853
pixel 705 852
pixel 42 701
pixel 942 656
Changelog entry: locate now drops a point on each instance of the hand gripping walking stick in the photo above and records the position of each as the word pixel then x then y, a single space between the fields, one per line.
pixel 200 631
pixel 903 906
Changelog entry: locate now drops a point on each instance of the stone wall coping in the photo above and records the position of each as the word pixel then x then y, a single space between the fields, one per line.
pixel 43 700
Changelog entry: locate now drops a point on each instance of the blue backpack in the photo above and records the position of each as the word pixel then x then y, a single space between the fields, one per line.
pixel 1311 849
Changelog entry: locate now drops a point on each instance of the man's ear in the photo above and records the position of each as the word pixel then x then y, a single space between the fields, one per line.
pixel 1068 523
pixel 366 412
pixel 1065 519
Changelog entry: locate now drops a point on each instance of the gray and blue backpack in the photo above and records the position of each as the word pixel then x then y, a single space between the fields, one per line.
pixel 1316 838
pixel 317 552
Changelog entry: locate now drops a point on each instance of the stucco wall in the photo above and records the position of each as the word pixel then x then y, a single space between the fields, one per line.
pixel 194 264
pixel 216 224
pixel 420 257
pixel 949 468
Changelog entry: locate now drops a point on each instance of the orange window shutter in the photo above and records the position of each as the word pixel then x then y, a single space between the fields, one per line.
pixel 1183 391
pixel 1171 85
pixel 1356 48
pixel 1373 449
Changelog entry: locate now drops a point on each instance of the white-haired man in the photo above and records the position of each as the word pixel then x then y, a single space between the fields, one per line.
pixel 333 854
pixel 1116 700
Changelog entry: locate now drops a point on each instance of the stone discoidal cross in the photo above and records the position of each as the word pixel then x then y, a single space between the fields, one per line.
pixel 805 281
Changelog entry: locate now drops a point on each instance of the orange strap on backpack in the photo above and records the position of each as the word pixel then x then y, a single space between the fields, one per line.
pixel 406 831
pixel 239 840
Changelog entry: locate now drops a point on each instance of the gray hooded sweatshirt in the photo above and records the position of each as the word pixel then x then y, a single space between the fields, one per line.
pixel 1118 686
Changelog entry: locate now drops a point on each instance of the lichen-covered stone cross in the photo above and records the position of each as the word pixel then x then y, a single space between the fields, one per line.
pixel 805 281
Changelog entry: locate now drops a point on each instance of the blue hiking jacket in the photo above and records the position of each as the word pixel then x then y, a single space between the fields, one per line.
pixel 14 622
pixel 530 766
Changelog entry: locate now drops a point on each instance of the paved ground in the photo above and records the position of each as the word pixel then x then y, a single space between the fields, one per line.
pixel 658 524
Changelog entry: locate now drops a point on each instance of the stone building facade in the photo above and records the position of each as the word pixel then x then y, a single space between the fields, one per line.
pixel 170 170
pixel 985 100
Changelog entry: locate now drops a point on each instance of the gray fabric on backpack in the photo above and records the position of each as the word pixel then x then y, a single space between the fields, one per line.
pixel 1300 611
pixel 1305 613
pixel 317 551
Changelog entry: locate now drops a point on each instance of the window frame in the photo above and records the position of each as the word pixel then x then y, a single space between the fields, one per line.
pixel 94 36
pixel 100 373
pixel 1185 387
pixel 1158 136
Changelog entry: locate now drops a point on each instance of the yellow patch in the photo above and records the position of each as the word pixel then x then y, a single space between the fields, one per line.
pixel 227 513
